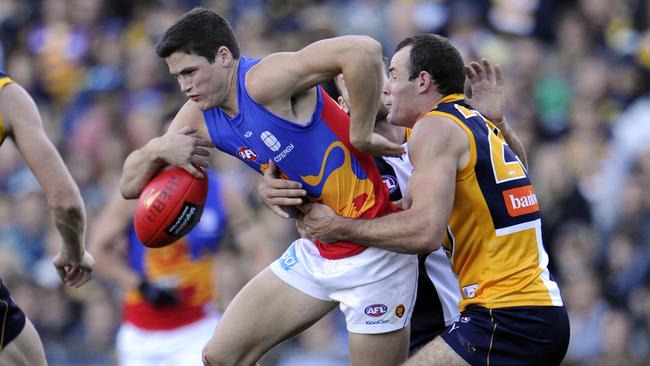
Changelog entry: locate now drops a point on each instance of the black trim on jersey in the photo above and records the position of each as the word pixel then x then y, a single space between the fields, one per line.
pixel 452 243
pixel 428 319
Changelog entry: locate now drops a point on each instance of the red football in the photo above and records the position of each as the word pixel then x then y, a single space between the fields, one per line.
pixel 170 205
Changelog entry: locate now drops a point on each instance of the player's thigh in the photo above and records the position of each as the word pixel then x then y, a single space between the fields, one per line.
pixel 436 352
pixel 264 313
pixel 24 350
pixel 383 349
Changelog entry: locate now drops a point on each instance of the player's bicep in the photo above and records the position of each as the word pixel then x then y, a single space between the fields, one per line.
pixel 26 130
pixel 282 75
pixel 285 74
pixel 435 149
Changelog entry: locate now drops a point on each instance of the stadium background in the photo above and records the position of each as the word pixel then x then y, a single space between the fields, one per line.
pixel 577 83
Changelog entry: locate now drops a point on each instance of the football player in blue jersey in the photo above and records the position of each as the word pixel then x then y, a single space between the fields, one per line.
pixel 273 109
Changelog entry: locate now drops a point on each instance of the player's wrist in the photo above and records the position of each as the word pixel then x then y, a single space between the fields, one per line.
pixel 73 253
pixel 154 150
pixel 341 227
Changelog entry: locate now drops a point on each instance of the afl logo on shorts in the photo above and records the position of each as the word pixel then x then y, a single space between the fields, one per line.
pixel 390 182
pixel 247 154
pixel 376 310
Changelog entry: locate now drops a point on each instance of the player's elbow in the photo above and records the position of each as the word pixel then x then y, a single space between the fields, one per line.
pixel 361 142
pixel 360 47
pixel 369 50
pixel 368 44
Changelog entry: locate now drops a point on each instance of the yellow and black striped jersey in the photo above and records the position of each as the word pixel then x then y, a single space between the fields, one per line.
pixel 494 232
pixel 4 80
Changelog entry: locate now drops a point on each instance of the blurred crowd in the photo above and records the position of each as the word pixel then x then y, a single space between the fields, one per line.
pixel 577 78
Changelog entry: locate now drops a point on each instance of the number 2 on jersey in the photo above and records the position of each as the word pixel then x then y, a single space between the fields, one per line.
pixel 504 171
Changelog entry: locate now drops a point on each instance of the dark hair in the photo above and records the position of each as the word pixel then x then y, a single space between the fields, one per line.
pixel 434 54
pixel 201 32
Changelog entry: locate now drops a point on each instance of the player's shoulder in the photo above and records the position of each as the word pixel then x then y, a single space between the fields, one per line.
pixel 262 76
pixel 438 132
pixel 433 123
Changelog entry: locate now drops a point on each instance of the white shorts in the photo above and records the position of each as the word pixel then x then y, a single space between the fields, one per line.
pixel 375 288
pixel 180 346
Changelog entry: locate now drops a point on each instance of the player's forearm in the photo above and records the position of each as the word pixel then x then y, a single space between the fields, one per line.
pixel 113 268
pixel 70 221
pixel 513 141
pixel 139 167
pixel 363 77
pixel 401 232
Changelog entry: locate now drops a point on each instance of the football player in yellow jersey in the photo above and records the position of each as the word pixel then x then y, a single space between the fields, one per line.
pixel 470 191
pixel 21 122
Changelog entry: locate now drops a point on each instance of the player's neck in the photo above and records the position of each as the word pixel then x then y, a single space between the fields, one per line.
pixel 433 99
pixel 230 104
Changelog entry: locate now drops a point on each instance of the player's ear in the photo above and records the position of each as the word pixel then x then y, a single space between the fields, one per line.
pixel 224 57
pixel 424 81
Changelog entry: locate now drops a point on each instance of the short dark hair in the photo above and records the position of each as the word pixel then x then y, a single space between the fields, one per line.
pixel 434 54
pixel 201 32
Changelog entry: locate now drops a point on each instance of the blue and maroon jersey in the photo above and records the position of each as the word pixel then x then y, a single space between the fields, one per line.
pixel 185 266
pixel 318 154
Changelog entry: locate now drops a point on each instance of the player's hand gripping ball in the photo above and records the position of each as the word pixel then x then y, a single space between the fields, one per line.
pixel 169 206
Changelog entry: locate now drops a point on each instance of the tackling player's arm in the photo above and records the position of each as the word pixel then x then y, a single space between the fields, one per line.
pixel 24 126
pixel 438 148
pixel 184 144
pixel 282 76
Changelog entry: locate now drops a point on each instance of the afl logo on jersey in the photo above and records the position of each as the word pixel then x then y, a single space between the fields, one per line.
pixel 247 154
pixel 270 141
pixel 376 310
pixel 390 182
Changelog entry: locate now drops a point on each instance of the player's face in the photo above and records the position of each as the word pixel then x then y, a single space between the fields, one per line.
pixel 202 82
pixel 400 93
